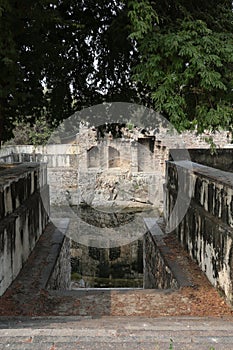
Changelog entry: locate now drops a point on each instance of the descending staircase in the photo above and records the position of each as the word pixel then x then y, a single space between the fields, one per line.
pixel 28 295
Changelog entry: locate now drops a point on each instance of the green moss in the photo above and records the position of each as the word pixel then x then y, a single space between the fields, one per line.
pixel 75 276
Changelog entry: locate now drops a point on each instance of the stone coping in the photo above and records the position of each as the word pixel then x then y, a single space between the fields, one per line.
pixel 171 258
pixel 221 176
pixel 11 172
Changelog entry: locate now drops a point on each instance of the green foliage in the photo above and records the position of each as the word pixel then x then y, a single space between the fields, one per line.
pixel 63 56
pixel 143 17
pixel 40 132
pixel 186 61
pixel 20 133
pixel 26 134
pixel 210 141
pixel 130 125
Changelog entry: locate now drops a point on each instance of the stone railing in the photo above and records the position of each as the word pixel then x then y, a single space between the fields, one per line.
pixel 62 167
pixel 206 231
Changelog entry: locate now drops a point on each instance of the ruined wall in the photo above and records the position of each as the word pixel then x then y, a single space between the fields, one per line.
pixel 206 230
pixel 23 215
pixel 85 172
pixel 125 169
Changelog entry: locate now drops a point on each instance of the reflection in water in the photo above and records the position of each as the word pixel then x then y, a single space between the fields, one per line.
pixel 116 267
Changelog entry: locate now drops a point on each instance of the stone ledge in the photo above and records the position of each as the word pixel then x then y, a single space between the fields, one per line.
pixel 168 259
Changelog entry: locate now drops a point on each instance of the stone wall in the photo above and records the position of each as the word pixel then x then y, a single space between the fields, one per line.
pixel 127 168
pixel 62 167
pixel 156 272
pixel 24 209
pixel 75 176
pixel 206 230
pixel 221 159
pixel 60 278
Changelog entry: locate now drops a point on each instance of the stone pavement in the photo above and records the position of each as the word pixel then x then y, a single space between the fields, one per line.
pixel 134 333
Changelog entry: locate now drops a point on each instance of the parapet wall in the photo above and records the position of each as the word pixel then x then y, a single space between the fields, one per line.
pixel 221 159
pixel 62 167
pixel 60 278
pixel 24 209
pixel 206 231
pixel 156 274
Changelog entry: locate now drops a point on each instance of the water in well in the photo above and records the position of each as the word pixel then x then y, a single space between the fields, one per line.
pixel 111 267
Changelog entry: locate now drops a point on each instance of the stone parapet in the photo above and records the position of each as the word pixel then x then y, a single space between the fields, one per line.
pixel 163 266
pixel 60 278
pixel 24 210
pixel 206 230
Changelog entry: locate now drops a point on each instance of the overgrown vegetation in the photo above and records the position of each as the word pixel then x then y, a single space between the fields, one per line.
pixel 186 60
pixel 26 134
pixel 63 56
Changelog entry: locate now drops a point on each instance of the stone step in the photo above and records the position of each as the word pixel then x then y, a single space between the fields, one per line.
pixel 112 346
pixel 66 333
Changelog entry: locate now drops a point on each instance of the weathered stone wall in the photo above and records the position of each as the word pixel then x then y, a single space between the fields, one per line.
pixel 221 159
pixel 206 230
pixel 73 176
pixel 124 169
pixel 61 274
pixel 156 272
pixel 128 168
pixel 24 209
pixel 62 167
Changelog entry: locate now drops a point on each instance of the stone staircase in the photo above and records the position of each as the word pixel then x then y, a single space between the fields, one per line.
pixel 191 317
pixel 28 295
pixel 76 333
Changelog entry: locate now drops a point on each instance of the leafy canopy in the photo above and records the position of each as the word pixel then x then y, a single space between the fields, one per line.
pixel 186 59
pixel 60 56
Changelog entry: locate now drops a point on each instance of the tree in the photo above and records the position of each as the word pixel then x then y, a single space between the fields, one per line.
pixel 60 56
pixel 21 88
pixel 186 59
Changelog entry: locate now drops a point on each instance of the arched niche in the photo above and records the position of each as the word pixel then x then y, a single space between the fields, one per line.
pixel 93 157
pixel 113 157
